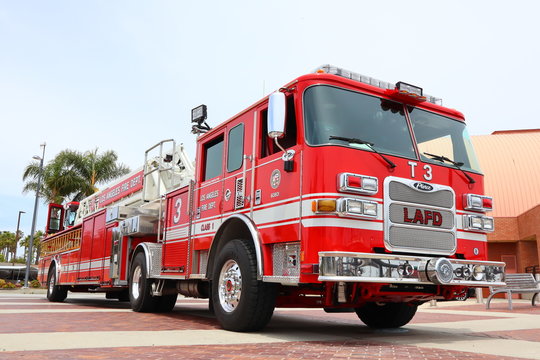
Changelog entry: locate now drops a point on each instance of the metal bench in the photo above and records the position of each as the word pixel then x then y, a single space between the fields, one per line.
pixel 516 284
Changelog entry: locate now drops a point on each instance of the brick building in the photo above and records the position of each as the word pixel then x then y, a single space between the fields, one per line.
pixel 510 161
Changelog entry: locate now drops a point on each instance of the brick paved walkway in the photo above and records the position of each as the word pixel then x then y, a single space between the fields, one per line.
pixel 90 327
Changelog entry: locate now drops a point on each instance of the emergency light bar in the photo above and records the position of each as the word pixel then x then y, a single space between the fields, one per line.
pixel 408 88
pixel 401 87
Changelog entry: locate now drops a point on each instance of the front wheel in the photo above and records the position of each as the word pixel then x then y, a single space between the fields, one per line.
pixel 55 292
pixel 386 315
pixel 240 301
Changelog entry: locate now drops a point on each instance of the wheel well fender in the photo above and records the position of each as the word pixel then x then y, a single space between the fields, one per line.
pixel 56 264
pixel 152 253
pixel 237 226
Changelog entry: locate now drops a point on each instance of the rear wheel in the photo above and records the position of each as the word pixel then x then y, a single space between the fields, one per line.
pixel 55 292
pixel 140 287
pixel 240 301
pixel 166 303
pixel 123 296
pixel 386 315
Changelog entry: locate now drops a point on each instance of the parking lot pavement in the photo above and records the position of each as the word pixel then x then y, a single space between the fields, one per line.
pixel 87 326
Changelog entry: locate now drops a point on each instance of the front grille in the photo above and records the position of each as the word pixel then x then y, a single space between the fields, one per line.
pixel 404 193
pixel 419 221
pixel 421 239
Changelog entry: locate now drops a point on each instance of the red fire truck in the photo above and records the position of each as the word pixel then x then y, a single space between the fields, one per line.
pixel 337 191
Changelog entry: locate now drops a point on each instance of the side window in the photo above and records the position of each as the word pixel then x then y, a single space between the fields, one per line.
pixel 213 154
pixel 235 148
pixel 268 147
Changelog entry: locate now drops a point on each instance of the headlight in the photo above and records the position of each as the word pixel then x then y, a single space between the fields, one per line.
pixel 357 208
pixel 370 208
pixel 478 222
pixel 354 207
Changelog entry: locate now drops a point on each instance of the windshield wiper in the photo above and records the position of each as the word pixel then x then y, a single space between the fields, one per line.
pixel 458 165
pixel 362 142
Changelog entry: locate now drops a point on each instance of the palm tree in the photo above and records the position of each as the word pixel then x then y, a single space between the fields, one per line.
pixel 73 175
pixel 59 178
pixel 7 243
pixel 36 246
pixel 96 169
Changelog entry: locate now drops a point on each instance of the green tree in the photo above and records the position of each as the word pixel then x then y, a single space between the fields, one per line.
pixel 73 175
pixel 7 244
pixel 18 236
pixel 36 248
pixel 96 169
pixel 59 181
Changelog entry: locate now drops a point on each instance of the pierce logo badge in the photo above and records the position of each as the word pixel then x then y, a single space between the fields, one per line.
pixel 423 186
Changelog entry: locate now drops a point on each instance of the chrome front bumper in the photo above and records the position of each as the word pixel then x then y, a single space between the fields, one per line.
pixel 381 268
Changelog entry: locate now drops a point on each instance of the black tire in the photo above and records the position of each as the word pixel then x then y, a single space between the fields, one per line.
pixel 240 301
pixel 140 287
pixel 55 293
pixel 123 296
pixel 165 303
pixel 386 315
pixel 210 301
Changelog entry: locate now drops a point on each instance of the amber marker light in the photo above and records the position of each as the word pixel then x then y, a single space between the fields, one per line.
pixel 323 206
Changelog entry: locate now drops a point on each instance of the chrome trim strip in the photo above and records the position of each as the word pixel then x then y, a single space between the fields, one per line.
pixel 252 159
pixel 172 277
pixel 371 280
pixel 197 276
pixel 283 280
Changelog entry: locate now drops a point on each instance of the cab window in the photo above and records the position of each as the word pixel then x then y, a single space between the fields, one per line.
pixel 213 155
pixel 235 148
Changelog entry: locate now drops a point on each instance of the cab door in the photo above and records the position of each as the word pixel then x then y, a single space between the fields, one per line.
pixel 207 197
pixel 238 166
pixel 277 202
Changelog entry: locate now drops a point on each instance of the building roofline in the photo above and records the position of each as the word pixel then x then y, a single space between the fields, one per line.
pixel 522 131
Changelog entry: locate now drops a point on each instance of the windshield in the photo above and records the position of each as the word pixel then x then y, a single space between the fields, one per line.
pixel 332 115
pixel 443 136
pixel 331 111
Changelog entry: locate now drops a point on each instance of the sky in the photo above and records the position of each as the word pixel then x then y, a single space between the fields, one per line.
pixel 123 75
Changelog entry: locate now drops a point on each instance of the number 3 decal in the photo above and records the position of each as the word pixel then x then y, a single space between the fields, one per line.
pixel 429 171
pixel 428 175
pixel 177 206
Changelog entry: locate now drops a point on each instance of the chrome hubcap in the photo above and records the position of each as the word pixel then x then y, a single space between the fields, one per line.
pixel 135 282
pixel 230 286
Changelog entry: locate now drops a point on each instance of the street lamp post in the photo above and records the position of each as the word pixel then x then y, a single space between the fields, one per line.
pixel 17 236
pixel 31 243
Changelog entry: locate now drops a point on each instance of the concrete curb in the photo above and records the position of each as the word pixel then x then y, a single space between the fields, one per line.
pixel 24 291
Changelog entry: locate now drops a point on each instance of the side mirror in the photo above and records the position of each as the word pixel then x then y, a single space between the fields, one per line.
pixel 276 115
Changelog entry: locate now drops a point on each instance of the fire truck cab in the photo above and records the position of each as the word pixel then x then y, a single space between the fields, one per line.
pixel 337 191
